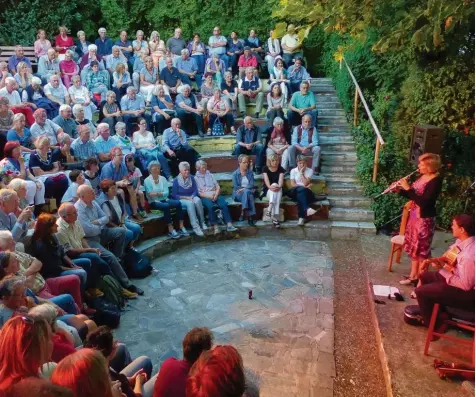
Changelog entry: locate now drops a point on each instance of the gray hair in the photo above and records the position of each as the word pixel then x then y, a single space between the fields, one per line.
pixel 228 73
pixel 7 194
pixel 101 29
pixel 64 107
pixel 303 83
pixel 110 93
pixel 140 32
pixel 101 126
pixel 62 138
pixel 306 116
pixel 175 121
pixel 130 89
pixel 80 32
pixel 75 78
pixel 9 284
pixel 186 87
pixel 45 311
pixel 16 184
pixel 35 80
pixel 119 124
pixel 77 108
pixel 70 53
pixel 10 80
pixel 200 164
pixel 5 236
pixel 277 121
pixel 185 51
pixel 183 165
pixel 4 100
pixel 116 47
pixel 157 89
pixel 248 118
pixel 153 164
pixel 249 69
pixel 300 157
pixel 92 47
pixel 18 117
pixel 53 76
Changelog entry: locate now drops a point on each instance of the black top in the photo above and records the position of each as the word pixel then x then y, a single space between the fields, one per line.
pixel 427 200
pixel 52 157
pixel 273 177
pixel 229 88
pixel 50 254
pixel 125 385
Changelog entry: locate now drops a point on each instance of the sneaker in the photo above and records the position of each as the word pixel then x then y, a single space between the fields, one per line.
pixel 173 234
pixel 95 293
pixel 184 232
pixel 204 226
pixel 216 231
pixel 231 228
pixel 311 211
pixel 198 231
pixel 408 281
pixel 136 290
pixel 301 222
pixel 128 294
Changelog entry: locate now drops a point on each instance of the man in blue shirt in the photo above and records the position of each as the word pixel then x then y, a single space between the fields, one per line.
pixel 234 51
pixel 170 77
pixel 305 141
pixel 217 44
pixel 176 148
pixel 103 43
pixel 66 121
pixel 126 47
pixel 133 107
pixel 187 66
pixel 14 60
pixel 83 146
pixel 297 74
pixel 104 143
pixel 248 141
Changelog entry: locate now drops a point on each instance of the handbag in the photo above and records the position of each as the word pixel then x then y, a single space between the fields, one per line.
pixel 218 129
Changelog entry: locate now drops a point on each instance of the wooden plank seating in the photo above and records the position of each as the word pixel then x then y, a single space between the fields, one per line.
pixel 7 51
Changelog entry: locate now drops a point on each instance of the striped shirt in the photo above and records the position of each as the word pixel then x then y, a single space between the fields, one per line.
pixel 103 146
pixel 84 150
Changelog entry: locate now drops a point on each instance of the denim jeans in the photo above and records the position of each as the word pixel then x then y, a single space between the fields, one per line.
pixel 257 150
pixel 161 124
pixel 154 155
pixel 66 302
pixel 222 204
pixel 97 263
pixel 166 206
pixel 247 200
pixel 81 273
pixel 133 231
pixel 195 211
pixel 191 122
pixel 295 118
pixel 197 78
pixel 200 59
pixel 142 362
pixel 304 198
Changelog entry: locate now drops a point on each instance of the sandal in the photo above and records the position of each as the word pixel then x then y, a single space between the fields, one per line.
pixel 209 132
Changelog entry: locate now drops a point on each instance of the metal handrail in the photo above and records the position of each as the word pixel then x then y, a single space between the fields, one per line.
pixel 358 93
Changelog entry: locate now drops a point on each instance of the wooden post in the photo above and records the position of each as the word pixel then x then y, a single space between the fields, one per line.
pixel 377 151
pixel 356 104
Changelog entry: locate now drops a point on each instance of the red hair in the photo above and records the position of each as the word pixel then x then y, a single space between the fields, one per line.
pixel 24 348
pixel 85 373
pixel 217 372
pixel 44 227
pixel 9 147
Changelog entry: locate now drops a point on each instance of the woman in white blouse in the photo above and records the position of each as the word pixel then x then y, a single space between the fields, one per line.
pixel 279 76
pixel 80 94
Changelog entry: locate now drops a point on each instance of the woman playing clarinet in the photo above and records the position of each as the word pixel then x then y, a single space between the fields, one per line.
pixel 422 220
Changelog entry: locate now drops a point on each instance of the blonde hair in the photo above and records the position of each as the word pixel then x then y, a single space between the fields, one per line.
pixel 270 158
pixel 432 161
pixel 41 140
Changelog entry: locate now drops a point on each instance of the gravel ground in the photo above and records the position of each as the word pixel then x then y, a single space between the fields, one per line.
pixel 358 368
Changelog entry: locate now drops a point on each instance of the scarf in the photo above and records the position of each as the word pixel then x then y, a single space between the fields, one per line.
pixel 278 134
pixel 184 183
pixel 273 45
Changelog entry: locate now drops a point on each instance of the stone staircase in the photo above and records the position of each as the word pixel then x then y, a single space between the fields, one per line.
pixel 349 213
pixel 343 214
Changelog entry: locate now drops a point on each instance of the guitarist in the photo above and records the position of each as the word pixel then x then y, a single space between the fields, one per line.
pixel 450 285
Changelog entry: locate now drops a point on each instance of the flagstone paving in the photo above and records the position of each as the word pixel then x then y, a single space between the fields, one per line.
pixel 285 333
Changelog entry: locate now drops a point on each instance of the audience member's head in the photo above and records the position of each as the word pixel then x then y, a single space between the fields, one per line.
pixel 195 342
pixel 36 387
pixel 217 372
pixel 91 164
pixel 9 201
pixel 8 264
pixel 25 345
pixel 101 339
pixel 45 227
pixel 86 194
pixel 6 241
pixel 85 373
pixel 463 226
pixel 67 212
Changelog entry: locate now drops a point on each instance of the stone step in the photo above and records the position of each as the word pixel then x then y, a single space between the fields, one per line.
pixel 328 105
pixel 351 230
pixel 333 128
pixel 335 134
pixel 349 201
pixel 337 147
pixel 340 177
pixel 337 168
pixel 331 112
pixel 317 80
pixel 343 189
pixel 329 156
pixel 351 214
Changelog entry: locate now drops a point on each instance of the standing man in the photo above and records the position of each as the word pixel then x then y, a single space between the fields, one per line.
pixel 248 141
pixel 305 141
pixel 291 46
pixel 103 43
pixel 218 44
pixel 176 44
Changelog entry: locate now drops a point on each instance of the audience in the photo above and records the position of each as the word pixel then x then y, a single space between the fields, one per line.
pixel 121 80
pixel 57 92
pixel 163 109
pixel 65 121
pixel 197 51
pixel 301 182
pixel 190 111
pixel 277 142
pixel 248 141
pixel 219 111
pixel 234 51
pixel 68 68
pixel 170 77
pixel 244 189
pixel 44 127
pixel 188 67
pixel 63 42
pixel 122 141
pixel 79 95
pixel 133 107
pixel 256 46
pixel 10 219
pixel 110 111
pixel 250 91
pixel 17 58
pixel 297 74
pixel 305 141
pixel 156 47
pixel 35 95
pixel 15 103
pixel 49 65
pixel 103 43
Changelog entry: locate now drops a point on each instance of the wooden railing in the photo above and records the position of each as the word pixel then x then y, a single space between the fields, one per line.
pixel 379 140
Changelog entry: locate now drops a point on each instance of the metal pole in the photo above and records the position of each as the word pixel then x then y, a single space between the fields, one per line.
pixel 356 104
pixel 377 151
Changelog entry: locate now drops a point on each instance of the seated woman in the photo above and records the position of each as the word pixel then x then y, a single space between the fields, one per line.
pixel 19 133
pixel 276 104
pixel 301 181
pixel 216 67
pixel 157 192
pixel 97 81
pixel 219 109
pixel 13 166
pixel 110 111
pixel 79 94
pixel 273 178
pixel 80 119
pixel 163 109
pixel 149 78
pixel 207 90
pixel 277 142
pixel 147 149
pixel 244 189
pixel 34 94
pixel 115 208
pixel 185 189
pixel 229 88
pixel 23 76
pixel 22 336
pixel 121 80
pixel 67 159
pixel 122 140
pixel 135 177
pixel 209 192
pixel 44 165
pixel 19 186
pixel 68 68
pixel 63 42
pixel 92 174
pixel 6 120
pixel 279 76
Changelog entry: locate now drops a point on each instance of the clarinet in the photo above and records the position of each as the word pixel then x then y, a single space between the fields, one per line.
pixel 394 185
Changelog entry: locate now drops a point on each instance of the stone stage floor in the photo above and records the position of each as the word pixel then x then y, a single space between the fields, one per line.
pixel 285 334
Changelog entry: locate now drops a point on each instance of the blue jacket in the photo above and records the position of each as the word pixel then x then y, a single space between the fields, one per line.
pixel 178 191
pixel 236 179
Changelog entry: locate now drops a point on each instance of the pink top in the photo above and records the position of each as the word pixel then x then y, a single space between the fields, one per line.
pixel 244 62
pixel 69 66
pixel 60 42
pixel 41 48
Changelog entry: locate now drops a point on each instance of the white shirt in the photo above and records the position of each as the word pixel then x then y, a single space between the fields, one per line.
pixel 296 175
pixel 71 191
pixel 139 139
pixel 60 93
pixel 80 94
pixel 13 98
pixel 290 41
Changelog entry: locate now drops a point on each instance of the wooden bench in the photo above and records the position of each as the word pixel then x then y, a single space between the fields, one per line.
pixel 6 52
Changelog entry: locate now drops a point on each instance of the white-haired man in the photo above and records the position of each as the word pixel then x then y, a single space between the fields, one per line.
pixel 9 210
pixel 114 59
pixel 66 121
pixel 250 90
pixel 94 223
pixel 133 107
pixel 305 141
pixel 104 143
pixel 16 105
pixel 103 43
pixel 48 65
pixel 56 92
pixel 83 147
pixel 187 66
pixel 45 127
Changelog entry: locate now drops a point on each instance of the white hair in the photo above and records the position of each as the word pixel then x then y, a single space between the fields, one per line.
pixel 10 80
pixel 277 120
pixel 7 194
pixel 80 32
pixel 184 51
pixel 200 163
pixel 101 126
pixel 9 284
pixel 5 236
pixel 62 138
pixel 101 29
pixel 92 47
pixel 77 108
pixel 183 166
pixel 130 89
pixel 64 107
pixel 119 124
pixel 175 121
pixel 35 80
pixel 45 311
pixel 16 184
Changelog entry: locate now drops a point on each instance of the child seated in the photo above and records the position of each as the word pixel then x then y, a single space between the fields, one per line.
pixel 134 177
pixel 77 178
